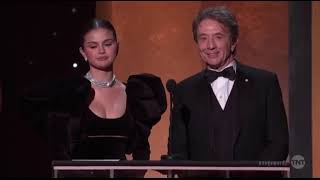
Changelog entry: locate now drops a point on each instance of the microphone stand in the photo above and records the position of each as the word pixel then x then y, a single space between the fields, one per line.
pixel 170 122
pixel 170 88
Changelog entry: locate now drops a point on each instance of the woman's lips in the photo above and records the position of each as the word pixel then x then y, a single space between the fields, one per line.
pixel 102 58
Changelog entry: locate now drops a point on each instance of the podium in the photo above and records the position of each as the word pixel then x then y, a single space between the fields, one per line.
pixel 168 167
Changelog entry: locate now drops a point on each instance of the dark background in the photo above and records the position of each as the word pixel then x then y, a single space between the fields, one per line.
pixel 41 43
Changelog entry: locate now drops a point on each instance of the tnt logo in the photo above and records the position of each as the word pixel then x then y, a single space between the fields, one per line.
pixel 298 162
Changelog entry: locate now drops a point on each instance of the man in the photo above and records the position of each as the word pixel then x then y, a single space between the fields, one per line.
pixel 228 111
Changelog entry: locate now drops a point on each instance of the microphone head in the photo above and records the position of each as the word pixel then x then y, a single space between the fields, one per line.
pixel 170 85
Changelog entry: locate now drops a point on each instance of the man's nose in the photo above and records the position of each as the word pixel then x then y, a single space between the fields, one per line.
pixel 211 44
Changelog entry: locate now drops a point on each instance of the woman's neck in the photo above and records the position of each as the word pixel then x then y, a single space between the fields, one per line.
pixel 101 75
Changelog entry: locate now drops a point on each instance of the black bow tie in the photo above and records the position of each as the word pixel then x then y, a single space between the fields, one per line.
pixel 227 73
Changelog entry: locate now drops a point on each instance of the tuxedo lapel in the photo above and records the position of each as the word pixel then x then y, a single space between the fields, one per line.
pixel 203 104
pixel 243 91
pixel 202 89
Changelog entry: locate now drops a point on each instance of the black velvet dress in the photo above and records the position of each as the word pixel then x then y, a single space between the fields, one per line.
pixel 75 132
pixel 103 138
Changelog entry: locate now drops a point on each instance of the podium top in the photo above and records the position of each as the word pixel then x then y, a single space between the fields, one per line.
pixel 115 162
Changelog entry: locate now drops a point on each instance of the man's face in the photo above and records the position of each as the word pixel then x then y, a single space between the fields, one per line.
pixel 214 42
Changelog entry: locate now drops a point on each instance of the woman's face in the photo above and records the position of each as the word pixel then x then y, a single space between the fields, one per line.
pixel 100 48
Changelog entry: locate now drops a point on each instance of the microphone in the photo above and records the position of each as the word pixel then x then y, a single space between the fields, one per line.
pixel 171 85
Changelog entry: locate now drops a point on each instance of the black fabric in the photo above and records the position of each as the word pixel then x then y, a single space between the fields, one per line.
pixel 222 124
pixel 65 104
pixel 103 138
pixel 227 73
pixel 68 96
pixel 222 127
pixel 148 98
pixel 260 132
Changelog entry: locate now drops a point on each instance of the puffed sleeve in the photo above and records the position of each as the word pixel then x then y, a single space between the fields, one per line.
pixel 147 101
pixel 64 106
pixel 69 95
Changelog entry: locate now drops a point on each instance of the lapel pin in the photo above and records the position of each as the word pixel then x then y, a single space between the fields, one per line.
pixel 246 80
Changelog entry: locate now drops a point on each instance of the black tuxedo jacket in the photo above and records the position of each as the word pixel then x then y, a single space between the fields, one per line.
pixel 261 132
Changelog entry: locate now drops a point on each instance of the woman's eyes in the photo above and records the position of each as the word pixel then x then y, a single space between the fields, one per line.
pixel 95 46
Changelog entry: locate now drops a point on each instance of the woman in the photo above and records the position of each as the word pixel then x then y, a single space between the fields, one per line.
pixel 97 116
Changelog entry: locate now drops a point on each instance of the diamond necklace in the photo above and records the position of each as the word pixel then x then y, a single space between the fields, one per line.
pixel 102 84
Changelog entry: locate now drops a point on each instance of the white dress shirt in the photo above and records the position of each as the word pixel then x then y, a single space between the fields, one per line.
pixel 222 86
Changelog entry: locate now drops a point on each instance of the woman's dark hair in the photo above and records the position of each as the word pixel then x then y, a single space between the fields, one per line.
pixel 94 24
